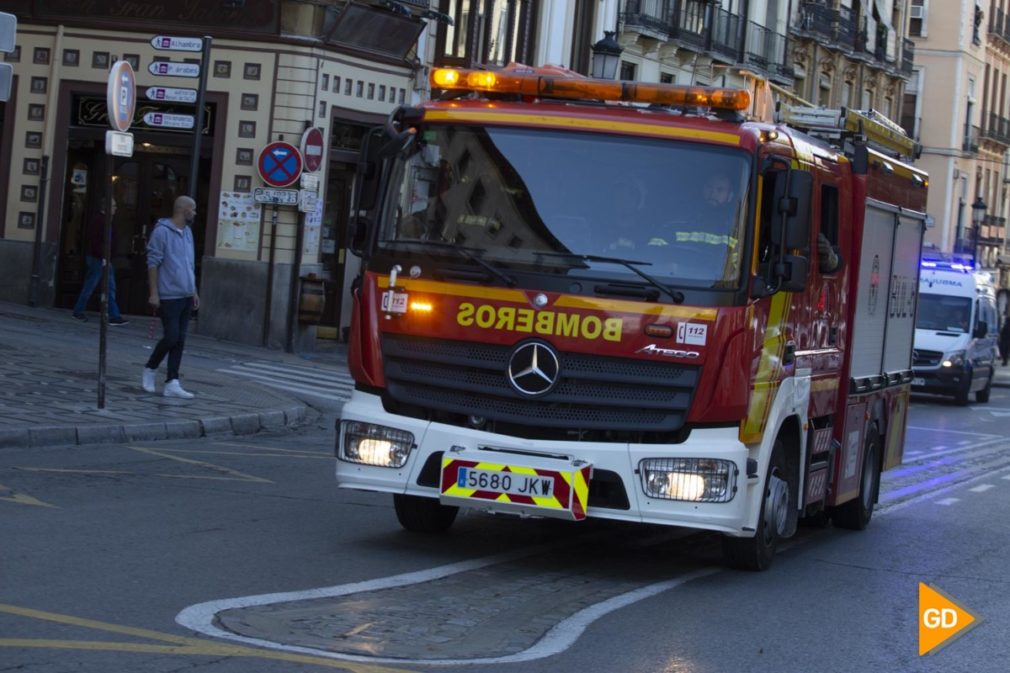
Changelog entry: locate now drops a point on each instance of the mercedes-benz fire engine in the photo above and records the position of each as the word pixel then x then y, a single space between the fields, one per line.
pixel 587 298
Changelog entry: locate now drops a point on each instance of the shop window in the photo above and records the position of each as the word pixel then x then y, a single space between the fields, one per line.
pixel 628 71
pixel 492 32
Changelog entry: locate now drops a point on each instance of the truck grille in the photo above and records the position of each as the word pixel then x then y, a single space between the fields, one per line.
pixel 593 393
pixel 921 358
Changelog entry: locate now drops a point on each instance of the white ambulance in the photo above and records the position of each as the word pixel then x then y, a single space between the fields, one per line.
pixel 956 332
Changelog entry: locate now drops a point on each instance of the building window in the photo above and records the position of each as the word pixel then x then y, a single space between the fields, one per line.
pixel 382 93
pixel 918 12
pixel 371 91
pixel 359 90
pixel 493 32
pixel 336 84
pixel 348 85
pixel 403 95
pixel 628 71
pixel 326 82
pixel 665 78
pixel 582 36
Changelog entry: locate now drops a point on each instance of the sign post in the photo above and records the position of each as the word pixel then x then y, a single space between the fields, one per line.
pixel 176 69
pixel 121 102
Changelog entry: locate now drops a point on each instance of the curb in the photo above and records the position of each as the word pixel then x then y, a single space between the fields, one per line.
pixel 97 433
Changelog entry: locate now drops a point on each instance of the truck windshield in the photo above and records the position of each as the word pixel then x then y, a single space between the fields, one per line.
pixel 516 193
pixel 943 313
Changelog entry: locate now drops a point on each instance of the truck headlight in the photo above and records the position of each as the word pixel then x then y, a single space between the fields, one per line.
pixel 955 359
pixel 374 444
pixel 690 479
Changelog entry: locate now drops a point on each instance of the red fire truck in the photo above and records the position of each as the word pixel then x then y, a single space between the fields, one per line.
pixel 586 298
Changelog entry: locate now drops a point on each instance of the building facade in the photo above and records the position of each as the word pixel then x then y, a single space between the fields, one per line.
pixel 852 53
pixel 952 92
pixel 276 68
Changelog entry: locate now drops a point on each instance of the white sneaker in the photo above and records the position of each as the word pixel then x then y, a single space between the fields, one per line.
pixel 148 380
pixel 174 389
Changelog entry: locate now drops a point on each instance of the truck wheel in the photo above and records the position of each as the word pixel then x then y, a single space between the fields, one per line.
pixel 983 395
pixel 756 553
pixel 423 515
pixel 856 513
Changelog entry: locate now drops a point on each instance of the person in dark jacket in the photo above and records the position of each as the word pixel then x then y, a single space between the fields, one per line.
pixel 94 241
pixel 1004 340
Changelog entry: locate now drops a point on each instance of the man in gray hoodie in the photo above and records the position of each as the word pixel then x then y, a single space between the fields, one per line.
pixel 171 277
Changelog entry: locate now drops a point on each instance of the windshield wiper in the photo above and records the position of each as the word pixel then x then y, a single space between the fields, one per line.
pixel 632 265
pixel 467 253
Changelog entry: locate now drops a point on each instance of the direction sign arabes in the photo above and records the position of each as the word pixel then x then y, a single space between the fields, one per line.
pixel 167 120
pixel 279 164
pixel 312 149
pixel 170 94
pixel 173 43
pixel 283 197
pixel 174 69
pixel 121 96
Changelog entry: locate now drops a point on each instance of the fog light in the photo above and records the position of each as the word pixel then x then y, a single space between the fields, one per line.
pixel 374 444
pixel 689 479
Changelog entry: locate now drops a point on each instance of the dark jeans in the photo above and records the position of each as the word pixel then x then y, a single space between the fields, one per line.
pixel 93 280
pixel 174 321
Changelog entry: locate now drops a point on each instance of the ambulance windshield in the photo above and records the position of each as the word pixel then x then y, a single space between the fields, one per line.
pixel 943 313
pixel 516 193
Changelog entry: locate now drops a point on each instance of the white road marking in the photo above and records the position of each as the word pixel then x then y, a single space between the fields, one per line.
pixel 560 637
pixel 956 432
pixel 948 501
pixel 913 453
pixel 334 385
pixel 964 442
pixel 982 488
pixel 989 474
pixel 938 448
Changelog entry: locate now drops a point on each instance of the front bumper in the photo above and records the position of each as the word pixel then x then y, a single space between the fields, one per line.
pixel 940 380
pixel 621 459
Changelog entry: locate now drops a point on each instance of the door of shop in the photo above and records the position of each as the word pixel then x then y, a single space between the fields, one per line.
pixel 334 250
pixel 144 187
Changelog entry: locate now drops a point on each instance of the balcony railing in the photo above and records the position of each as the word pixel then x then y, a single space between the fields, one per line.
pixel 999 25
pixel 907 57
pixel 997 129
pixel 689 21
pixel 766 48
pixel 653 15
pixel 848 29
pixel 817 16
pixel 726 34
pixel 993 229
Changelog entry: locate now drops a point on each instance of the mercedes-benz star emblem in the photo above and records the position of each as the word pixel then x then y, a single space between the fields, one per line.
pixel 533 368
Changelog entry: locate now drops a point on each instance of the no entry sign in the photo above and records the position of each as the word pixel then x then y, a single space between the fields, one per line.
pixel 312 149
pixel 279 164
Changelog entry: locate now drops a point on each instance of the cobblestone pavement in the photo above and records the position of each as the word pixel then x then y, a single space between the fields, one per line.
pixel 49 381
pixel 488 612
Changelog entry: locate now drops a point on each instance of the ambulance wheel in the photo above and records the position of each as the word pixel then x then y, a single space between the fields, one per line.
pixel 856 513
pixel 982 396
pixel 423 515
pixel 756 553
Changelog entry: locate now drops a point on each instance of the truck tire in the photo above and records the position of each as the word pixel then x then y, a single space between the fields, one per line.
pixel 423 515
pixel 856 513
pixel 982 396
pixel 756 553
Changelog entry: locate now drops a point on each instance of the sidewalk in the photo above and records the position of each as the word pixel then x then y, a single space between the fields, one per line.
pixel 1002 377
pixel 49 380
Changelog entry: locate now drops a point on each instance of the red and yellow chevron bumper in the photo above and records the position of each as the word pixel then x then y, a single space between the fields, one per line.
pixel 537 486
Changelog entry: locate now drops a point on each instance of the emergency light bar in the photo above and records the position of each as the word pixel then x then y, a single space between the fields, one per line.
pixel 581 88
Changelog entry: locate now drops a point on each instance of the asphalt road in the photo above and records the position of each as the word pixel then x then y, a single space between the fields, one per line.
pixel 102 548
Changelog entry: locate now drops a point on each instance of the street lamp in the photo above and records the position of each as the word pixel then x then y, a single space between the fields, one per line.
pixel 606 56
pixel 978 209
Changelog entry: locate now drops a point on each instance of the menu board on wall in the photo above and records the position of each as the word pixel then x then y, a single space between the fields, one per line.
pixel 238 223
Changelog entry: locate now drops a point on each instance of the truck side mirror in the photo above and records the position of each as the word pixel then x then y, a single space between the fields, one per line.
pixel 794 271
pixel 369 171
pixel 981 330
pixel 793 190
